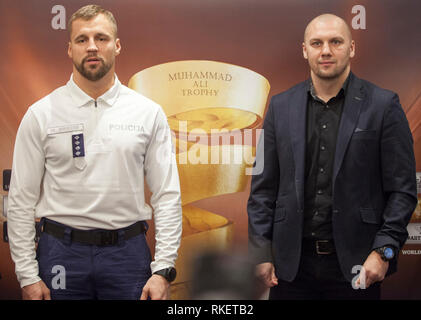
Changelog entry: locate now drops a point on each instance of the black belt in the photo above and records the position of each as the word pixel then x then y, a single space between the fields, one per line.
pixel 322 247
pixel 94 237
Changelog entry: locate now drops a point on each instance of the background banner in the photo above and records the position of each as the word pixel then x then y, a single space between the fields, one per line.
pixel 250 50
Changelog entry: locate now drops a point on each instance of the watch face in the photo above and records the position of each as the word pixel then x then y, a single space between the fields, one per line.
pixel 172 274
pixel 388 253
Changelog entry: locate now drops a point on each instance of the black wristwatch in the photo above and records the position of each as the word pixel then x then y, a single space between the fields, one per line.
pixel 387 253
pixel 167 273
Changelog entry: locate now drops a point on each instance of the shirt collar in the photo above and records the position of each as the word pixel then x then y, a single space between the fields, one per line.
pixel 81 98
pixel 312 92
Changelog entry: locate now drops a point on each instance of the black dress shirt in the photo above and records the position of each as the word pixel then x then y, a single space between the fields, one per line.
pixel 323 121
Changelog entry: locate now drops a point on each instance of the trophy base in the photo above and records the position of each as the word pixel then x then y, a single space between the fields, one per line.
pixel 202 231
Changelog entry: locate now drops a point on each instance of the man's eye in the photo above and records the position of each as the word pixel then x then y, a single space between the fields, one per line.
pixel 316 43
pixel 80 40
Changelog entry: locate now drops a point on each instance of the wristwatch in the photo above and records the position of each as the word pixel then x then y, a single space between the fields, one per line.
pixel 168 273
pixel 387 253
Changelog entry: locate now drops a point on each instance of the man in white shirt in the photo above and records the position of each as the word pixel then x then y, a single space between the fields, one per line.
pixel 80 159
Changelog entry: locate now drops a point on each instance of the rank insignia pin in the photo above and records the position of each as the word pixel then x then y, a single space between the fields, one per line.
pixel 78 145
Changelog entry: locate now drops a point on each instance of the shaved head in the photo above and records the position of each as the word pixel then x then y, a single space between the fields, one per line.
pixel 328 18
pixel 328 47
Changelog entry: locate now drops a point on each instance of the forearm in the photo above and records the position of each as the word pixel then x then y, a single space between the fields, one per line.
pixel 263 194
pixel 398 176
pixel 397 214
pixel 21 232
pixel 25 185
pixel 163 181
pixel 168 229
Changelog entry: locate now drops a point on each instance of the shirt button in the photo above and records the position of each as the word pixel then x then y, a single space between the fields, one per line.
pixel 316 213
pixel 319 191
pixel 324 126
pixel 313 234
pixel 322 170
pixel 77 148
pixel 323 148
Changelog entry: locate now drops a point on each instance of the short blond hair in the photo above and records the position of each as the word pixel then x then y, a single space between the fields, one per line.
pixel 89 12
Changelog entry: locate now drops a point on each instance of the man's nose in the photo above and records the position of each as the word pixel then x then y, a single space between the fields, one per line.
pixel 92 46
pixel 326 49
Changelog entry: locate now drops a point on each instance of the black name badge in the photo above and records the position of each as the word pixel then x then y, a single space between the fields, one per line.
pixel 78 145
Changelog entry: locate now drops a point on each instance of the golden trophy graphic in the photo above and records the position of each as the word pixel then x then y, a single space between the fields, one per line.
pixel 213 110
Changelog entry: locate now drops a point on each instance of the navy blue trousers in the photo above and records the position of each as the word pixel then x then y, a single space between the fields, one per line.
pixel 73 270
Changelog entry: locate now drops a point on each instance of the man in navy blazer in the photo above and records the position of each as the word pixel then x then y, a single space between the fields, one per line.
pixel 328 213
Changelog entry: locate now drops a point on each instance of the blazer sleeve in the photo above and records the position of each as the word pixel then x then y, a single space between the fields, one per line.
pixel 398 175
pixel 264 189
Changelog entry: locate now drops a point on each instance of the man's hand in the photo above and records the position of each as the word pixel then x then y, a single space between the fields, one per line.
pixel 266 273
pixel 157 288
pixel 375 269
pixel 36 291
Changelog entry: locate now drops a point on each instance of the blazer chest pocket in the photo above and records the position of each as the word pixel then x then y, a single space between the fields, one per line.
pixel 370 216
pixel 364 134
pixel 280 214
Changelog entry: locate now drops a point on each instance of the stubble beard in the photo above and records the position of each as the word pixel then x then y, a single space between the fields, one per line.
pixel 330 76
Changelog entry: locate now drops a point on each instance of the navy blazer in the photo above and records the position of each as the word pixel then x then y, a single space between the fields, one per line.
pixel 374 179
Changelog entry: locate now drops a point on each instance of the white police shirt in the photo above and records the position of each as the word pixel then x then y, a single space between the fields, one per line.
pixel 97 179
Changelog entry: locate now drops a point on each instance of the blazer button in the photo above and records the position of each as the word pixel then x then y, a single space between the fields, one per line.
pixel 335 211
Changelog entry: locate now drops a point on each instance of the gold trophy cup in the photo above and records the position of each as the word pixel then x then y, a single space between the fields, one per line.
pixel 212 109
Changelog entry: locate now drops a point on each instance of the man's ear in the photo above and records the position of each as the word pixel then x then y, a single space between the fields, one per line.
pixel 117 46
pixel 304 51
pixel 352 50
pixel 69 50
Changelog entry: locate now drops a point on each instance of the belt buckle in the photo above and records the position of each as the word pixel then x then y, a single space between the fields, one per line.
pixel 318 249
pixel 108 238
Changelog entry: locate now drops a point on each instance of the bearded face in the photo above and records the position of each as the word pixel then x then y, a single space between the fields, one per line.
pixel 93 68
pixel 93 47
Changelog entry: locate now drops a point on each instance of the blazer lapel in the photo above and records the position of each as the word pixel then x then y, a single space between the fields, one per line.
pixel 297 130
pixel 355 98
